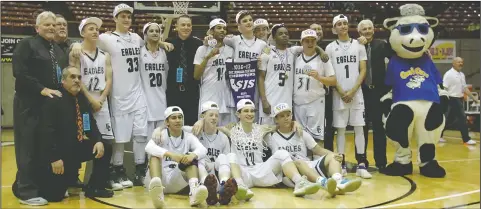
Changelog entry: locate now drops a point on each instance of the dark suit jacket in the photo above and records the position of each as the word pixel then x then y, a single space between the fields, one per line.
pixel 379 51
pixel 58 128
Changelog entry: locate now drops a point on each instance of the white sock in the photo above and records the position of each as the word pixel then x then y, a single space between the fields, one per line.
pixel 193 182
pixel 139 149
pixel 224 172
pixel 341 140
pixel 359 139
pixel 296 178
pixel 118 154
pixel 202 173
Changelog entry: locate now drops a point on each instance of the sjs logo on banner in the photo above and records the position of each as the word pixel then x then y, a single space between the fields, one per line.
pixel 242 79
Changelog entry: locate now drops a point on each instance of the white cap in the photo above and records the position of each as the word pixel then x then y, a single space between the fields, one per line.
pixel 337 19
pixel 237 17
pixel 149 24
pixel 209 105
pixel 245 103
pixel 308 33
pixel 122 7
pixel 89 20
pixel 171 110
pixel 281 107
pixel 261 22
pixel 217 21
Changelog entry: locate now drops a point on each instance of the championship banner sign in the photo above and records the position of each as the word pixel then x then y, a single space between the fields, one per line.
pixel 8 45
pixel 241 77
pixel 443 51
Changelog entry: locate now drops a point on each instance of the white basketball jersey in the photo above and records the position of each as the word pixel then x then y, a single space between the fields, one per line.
pixel 247 146
pixel 306 88
pixel 178 145
pixel 296 146
pixel 126 95
pixel 213 84
pixel 215 144
pixel 153 73
pixel 279 81
pixel 345 58
pixel 93 71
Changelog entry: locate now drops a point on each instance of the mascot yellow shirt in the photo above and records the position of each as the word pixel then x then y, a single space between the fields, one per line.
pixel 413 79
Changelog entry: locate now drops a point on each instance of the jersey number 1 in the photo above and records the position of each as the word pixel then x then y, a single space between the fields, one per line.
pixel 347 70
pixel 220 72
pixel 131 61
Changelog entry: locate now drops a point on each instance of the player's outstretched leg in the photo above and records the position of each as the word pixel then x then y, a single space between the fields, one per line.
pixel 156 190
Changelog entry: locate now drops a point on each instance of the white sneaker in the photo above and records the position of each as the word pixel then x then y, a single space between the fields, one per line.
pixel 362 172
pixel 241 193
pixel 249 195
pixel 305 187
pixel 156 192
pixel 36 201
pixel 442 140
pixel 115 186
pixel 470 142
pixel 329 185
pixel 198 195
pixel 345 185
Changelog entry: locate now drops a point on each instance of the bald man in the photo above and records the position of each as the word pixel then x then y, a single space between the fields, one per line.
pixel 454 83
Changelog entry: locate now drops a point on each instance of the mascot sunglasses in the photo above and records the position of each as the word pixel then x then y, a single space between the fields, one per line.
pixel 423 28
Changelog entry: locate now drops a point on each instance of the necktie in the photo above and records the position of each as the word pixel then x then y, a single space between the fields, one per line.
pixel 79 122
pixel 368 67
pixel 54 65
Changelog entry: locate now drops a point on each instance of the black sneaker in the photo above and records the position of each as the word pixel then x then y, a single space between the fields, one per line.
pixel 96 192
pixel 140 171
pixel 122 177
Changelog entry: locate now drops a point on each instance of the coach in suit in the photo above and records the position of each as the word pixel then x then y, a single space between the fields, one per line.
pixel 36 66
pixel 70 136
pixel 182 88
pixel 373 88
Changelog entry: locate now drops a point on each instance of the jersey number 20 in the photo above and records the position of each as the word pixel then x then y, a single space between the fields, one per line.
pixel 155 79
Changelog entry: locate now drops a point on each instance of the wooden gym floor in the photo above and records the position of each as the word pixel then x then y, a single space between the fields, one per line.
pixel 459 189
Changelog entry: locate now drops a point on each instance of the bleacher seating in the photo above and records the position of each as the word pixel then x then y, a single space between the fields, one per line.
pixel 19 14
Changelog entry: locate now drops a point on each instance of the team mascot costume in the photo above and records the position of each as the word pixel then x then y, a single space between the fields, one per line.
pixel 413 106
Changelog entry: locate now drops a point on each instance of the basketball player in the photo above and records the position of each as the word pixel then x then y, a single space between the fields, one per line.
pixel 210 68
pixel 311 75
pixel 348 57
pixel 96 70
pixel 173 162
pixel 128 105
pixel 247 166
pixel 261 29
pixel 153 72
pixel 324 170
pixel 276 75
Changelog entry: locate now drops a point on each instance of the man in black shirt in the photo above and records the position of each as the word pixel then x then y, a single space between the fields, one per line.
pixel 36 66
pixel 373 88
pixel 182 88
pixel 70 136
pixel 61 35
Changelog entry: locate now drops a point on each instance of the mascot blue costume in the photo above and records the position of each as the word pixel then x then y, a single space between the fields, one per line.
pixel 413 108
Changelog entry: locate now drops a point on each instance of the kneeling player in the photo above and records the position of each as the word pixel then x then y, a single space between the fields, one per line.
pixel 328 165
pixel 174 161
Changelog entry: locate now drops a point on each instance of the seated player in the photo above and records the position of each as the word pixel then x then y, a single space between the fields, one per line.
pixel 174 160
pixel 246 157
pixel 324 170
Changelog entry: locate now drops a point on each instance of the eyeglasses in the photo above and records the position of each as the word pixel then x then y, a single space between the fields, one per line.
pixel 422 28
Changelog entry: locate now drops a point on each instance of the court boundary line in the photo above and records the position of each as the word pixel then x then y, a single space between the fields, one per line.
pixel 431 199
pixel 467 204
pixel 407 194
pixel 412 189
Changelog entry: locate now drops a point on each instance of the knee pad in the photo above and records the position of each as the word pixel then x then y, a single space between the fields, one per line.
pixel 435 117
pixel 427 152
pixel 232 158
pixel 397 124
